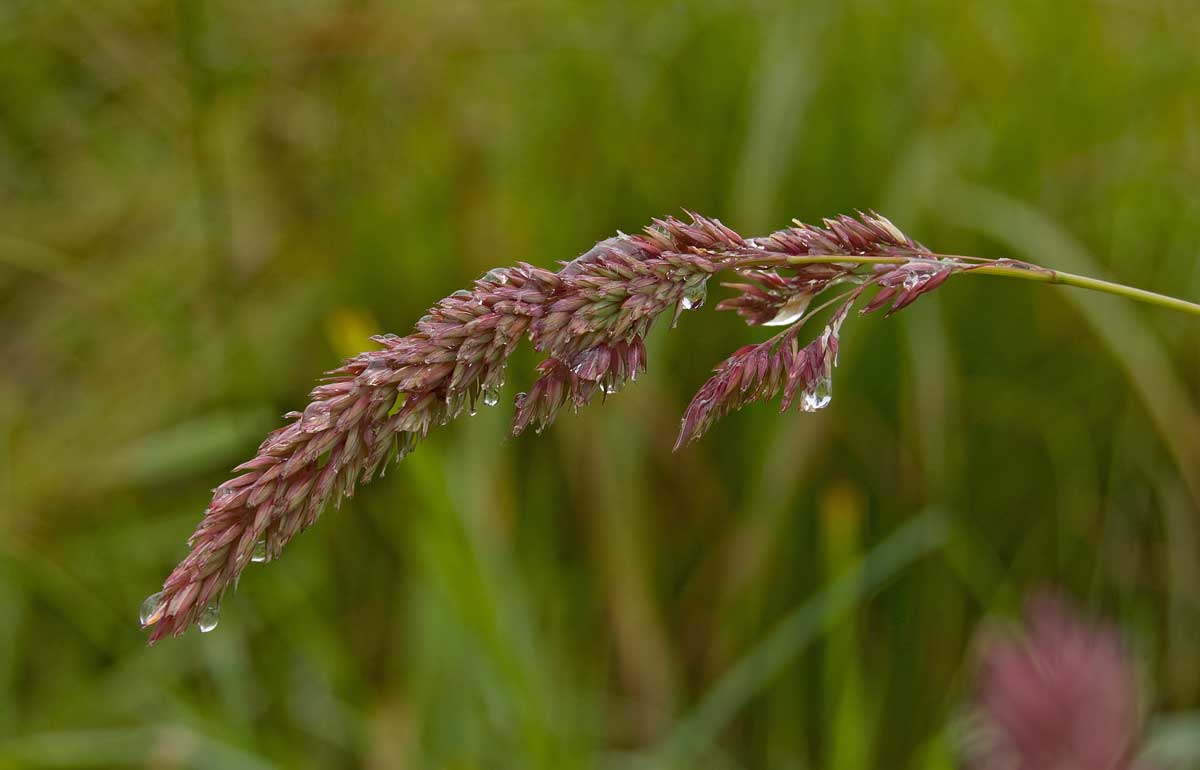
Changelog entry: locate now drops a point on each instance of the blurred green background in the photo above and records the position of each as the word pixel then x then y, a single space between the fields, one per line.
pixel 206 204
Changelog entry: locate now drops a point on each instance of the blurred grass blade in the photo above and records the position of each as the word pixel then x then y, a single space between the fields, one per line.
pixel 155 745
pixel 699 730
pixel 840 518
pixel 1174 742
pixel 175 452
pixel 13 609
pixel 1132 343
pixel 787 73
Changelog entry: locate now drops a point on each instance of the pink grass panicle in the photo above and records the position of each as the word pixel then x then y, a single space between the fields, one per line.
pixel 590 320
pixel 1063 696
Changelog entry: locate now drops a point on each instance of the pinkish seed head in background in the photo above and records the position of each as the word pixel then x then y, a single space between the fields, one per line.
pixel 1063 696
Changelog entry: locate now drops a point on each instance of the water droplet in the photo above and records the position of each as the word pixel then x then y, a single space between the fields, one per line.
pixel 424 320
pixel 912 281
pixel 611 387
pixel 791 311
pixel 260 552
pixel 491 396
pixel 497 276
pixel 817 396
pixel 461 293
pixel 152 609
pixel 694 295
pixel 208 618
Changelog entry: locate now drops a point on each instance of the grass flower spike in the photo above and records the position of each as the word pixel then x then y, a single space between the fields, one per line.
pixel 590 320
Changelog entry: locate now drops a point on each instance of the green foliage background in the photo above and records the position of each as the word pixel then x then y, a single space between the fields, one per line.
pixel 206 204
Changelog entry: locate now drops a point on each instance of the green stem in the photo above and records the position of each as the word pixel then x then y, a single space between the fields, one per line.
pixel 1017 270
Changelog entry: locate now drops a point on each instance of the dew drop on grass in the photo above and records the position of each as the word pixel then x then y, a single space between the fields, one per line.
pixel 208 619
pixel 259 555
pixel 491 396
pixel 817 396
pixel 694 296
pixel 152 609
pixel 791 311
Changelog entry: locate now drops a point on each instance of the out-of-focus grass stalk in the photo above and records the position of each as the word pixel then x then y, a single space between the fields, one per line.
pixel 643 654
pixel 696 732
pixel 1142 355
pixel 850 740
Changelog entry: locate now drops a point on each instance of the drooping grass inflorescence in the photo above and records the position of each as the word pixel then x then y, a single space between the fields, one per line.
pixel 590 320
pixel 1064 694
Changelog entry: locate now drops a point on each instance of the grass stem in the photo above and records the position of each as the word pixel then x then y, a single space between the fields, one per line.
pixel 1007 269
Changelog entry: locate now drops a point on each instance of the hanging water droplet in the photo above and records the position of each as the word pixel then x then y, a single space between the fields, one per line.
pixel 912 281
pixel 491 396
pixel 259 554
pixel 611 387
pixel 790 311
pixel 152 609
pixel 694 295
pixel 817 396
pixel 814 402
pixel 208 618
